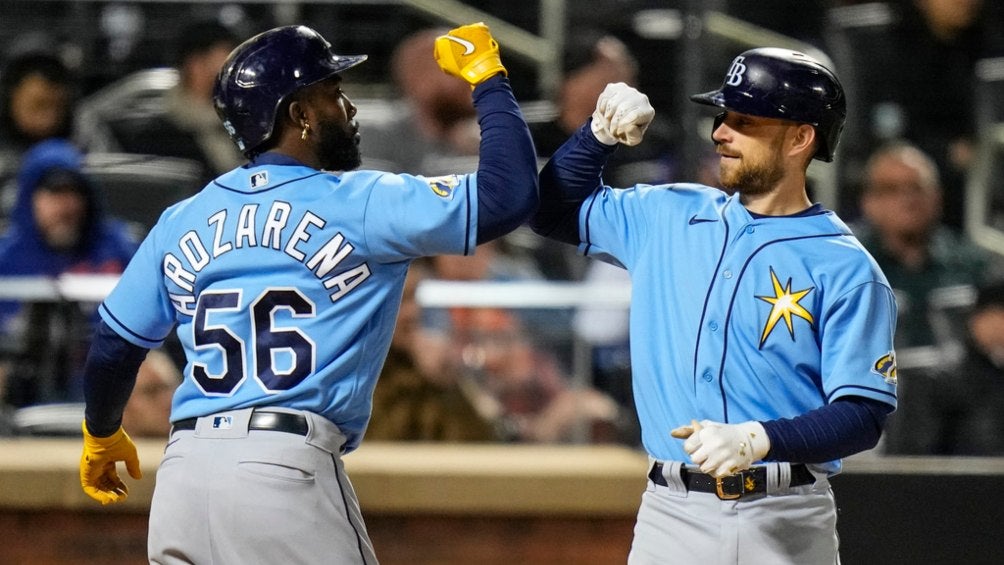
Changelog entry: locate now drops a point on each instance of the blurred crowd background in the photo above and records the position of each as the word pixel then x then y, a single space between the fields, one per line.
pixel 106 119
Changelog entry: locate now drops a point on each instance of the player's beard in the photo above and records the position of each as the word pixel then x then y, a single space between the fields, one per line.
pixel 338 146
pixel 754 177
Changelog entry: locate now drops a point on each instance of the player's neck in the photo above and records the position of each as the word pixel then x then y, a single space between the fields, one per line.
pixel 299 151
pixel 782 201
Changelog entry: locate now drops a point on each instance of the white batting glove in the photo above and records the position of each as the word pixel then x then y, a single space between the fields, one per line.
pixel 599 126
pixel 622 115
pixel 724 449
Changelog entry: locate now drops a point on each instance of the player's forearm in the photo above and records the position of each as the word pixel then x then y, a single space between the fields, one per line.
pixel 109 376
pixel 845 427
pixel 569 177
pixel 507 163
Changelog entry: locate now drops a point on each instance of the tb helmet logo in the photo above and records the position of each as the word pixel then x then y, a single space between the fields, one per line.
pixel 735 75
pixel 784 304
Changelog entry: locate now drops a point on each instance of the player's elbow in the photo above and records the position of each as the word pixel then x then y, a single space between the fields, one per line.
pixel 560 223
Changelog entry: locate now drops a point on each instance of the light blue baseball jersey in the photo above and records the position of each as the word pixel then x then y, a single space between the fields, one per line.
pixel 284 284
pixel 736 317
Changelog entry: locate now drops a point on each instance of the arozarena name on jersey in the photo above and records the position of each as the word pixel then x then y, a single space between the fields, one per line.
pixel 195 254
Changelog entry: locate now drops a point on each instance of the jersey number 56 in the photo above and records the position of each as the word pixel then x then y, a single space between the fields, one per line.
pixel 268 342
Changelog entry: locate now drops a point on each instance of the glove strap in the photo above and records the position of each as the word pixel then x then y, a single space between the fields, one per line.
pixel 482 68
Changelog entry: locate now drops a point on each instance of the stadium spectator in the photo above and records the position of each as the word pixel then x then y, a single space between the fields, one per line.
pixel 533 399
pixel 418 397
pixel 57 226
pixel 203 46
pixel 185 124
pixel 959 409
pixel 37 98
pixel 916 80
pixel 902 206
pixel 437 122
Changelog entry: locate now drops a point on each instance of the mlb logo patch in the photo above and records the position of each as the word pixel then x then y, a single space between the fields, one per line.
pixel 259 179
pixel 223 422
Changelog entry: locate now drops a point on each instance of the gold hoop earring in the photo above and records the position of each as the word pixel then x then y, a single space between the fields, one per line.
pixel 305 132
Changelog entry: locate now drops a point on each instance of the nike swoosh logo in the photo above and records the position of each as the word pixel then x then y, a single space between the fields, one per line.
pixel 695 220
pixel 467 45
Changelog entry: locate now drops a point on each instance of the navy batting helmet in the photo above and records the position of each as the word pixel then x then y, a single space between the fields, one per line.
pixel 780 83
pixel 261 72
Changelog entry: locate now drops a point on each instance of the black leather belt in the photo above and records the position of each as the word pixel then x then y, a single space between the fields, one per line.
pixel 750 481
pixel 261 420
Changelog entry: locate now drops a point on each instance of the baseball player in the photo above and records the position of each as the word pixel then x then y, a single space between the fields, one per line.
pixel 283 279
pixel 761 330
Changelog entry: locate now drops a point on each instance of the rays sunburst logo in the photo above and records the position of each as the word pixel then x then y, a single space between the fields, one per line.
pixel 785 304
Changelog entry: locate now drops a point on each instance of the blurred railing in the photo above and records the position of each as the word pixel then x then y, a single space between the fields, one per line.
pixel 68 287
pixel 538 295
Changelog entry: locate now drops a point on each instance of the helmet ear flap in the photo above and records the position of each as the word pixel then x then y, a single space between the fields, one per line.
pixel 719 120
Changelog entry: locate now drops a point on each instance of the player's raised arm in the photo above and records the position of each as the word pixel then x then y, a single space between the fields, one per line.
pixel 621 117
pixel 507 163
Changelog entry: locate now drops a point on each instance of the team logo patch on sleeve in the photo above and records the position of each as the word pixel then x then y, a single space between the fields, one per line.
pixel 885 367
pixel 443 186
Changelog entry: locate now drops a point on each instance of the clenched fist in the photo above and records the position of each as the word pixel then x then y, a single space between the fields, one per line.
pixel 469 52
pixel 622 115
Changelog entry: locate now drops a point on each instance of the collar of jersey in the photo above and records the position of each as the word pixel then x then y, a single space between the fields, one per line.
pixel 281 170
pixel 813 210
pixel 273 158
pixel 815 217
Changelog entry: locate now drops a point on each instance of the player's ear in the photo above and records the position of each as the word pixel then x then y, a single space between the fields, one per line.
pixel 296 112
pixel 803 140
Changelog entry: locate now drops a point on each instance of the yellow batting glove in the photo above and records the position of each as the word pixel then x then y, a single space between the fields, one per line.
pixel 98 476
pixel 469 52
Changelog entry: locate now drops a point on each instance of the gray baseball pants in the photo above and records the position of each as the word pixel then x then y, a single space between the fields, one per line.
pixel 785 525
pixel 227 495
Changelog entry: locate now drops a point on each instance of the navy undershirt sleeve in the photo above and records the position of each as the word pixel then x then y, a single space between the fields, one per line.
pixel 109 377
pixel 849 425
pixel 507 161
pixel 572 174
